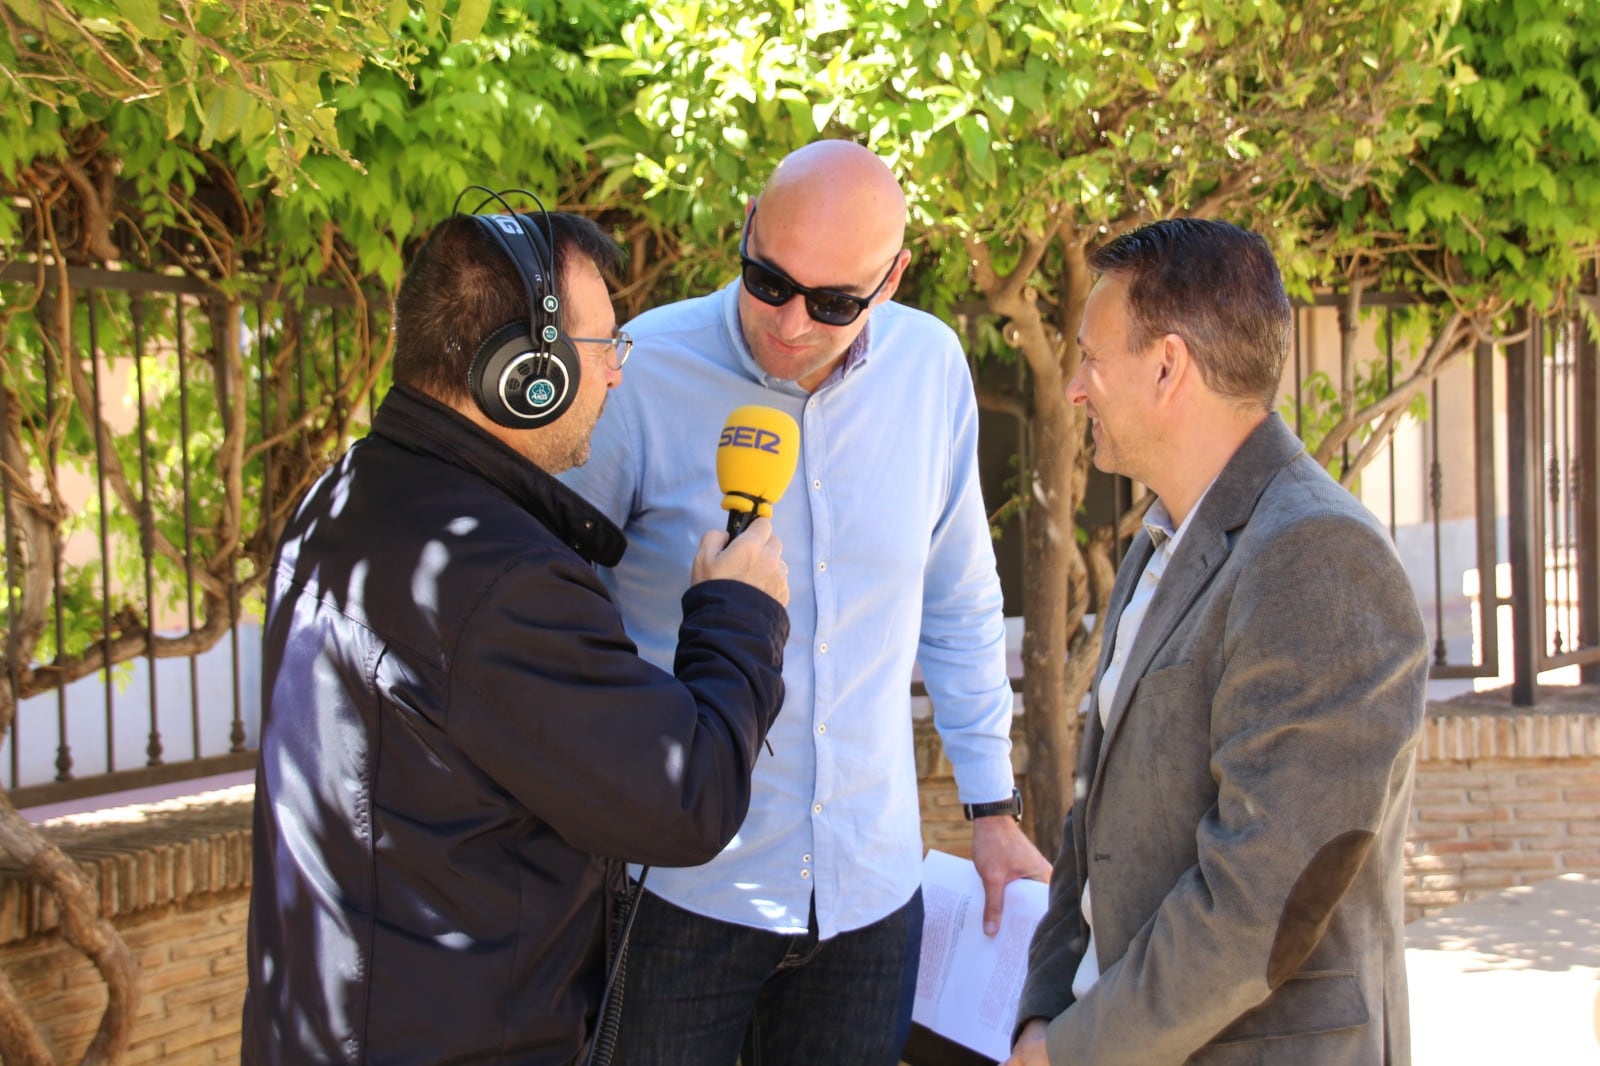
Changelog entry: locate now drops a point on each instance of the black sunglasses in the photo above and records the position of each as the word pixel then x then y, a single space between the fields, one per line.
pixel 773 287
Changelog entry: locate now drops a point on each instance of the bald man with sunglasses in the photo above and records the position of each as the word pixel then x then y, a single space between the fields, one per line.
pixel 799 943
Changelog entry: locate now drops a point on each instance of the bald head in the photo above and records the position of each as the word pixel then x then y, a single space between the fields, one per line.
pixel 841 188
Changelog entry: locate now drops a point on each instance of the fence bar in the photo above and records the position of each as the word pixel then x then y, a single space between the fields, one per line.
pixel 10 465
pixel 121 780
pixel 87 278
pixel 1394 503
pixel 264 387
pixel 147 532
pixel 53 464
pixel 1301 316
pixel 107 593
pixel 1586 480
pixel 1436 504
pixel 1488 532
pixel 1554 643
pixel 180 329
pixel 1523 478
pixel 336 344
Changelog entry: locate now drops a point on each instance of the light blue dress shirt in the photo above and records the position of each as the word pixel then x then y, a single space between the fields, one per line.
pixel 890 564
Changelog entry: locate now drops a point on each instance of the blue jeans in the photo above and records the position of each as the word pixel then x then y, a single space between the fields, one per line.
pixel 701 992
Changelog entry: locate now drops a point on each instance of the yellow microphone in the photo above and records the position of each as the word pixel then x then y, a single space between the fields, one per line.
pixel 756 457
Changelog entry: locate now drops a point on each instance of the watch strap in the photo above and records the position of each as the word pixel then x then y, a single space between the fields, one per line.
pixel 1011 806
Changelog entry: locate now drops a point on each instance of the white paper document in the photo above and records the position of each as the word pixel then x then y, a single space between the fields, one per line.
pixel 968 984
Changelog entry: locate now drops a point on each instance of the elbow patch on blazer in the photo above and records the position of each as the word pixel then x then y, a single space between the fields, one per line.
pixel 1309 908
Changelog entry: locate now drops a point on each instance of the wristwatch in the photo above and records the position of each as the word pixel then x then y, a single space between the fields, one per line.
pixel 1012 806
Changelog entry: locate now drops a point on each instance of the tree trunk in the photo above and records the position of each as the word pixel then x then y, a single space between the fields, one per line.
pixel 85 929
pixel 1050 547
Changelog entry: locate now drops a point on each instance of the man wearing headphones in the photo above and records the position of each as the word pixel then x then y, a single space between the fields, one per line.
pixel 460 746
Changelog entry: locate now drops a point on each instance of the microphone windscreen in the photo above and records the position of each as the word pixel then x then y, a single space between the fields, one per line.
pixel 756 457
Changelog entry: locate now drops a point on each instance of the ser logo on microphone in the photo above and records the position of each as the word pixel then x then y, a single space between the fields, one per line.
pixel 756 457
pixel 762 440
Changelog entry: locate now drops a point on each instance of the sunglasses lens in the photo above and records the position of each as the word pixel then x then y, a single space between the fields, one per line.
pixel 766 286
pixel 832 310
pixel 770 287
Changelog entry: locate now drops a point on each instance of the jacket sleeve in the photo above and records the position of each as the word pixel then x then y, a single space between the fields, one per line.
pixel 1312 723
pixel 550 698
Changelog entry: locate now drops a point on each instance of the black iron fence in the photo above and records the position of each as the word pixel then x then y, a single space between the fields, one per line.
pixel 154 431
pixel 1490 494
pixel 1553 459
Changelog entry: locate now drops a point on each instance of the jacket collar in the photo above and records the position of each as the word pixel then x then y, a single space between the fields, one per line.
pixel 421 424
pixel 1232 498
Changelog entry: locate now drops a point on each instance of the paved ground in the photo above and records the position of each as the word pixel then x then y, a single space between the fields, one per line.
pixel 1509 979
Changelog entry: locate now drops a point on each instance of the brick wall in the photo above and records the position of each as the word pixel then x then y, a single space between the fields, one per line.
pixel 191 956
pixel 174 878
pixel 1502 799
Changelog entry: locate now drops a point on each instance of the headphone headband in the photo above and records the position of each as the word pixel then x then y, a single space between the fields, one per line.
pixel 523 377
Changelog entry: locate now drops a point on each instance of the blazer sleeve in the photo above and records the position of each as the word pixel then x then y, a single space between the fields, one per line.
pixel 1059 941
pixel 1312 722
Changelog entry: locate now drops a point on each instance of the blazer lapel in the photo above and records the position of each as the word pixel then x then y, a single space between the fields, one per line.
pixel 1205 546
pixel 1199 555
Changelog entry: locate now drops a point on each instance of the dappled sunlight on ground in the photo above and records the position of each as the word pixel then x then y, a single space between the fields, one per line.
pixel 1509 979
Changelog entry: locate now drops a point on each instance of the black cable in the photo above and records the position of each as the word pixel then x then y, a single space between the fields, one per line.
pixel 610 1014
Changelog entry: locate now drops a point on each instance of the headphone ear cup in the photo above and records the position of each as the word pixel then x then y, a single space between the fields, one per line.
pixel 522 385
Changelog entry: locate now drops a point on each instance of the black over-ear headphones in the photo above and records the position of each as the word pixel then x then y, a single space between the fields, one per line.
pixel 524 374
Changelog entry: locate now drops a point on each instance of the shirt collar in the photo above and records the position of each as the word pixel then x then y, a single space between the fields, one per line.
pixel 1158 523
pixel 854 356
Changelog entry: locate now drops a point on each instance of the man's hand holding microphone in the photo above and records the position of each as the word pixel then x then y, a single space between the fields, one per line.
pixel 756 457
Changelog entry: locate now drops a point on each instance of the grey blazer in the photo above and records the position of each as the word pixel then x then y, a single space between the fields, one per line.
pixel 1243 814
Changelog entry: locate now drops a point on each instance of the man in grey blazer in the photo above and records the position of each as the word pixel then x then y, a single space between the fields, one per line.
pixel 1228 889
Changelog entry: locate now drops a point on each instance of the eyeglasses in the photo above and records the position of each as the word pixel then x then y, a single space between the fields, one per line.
pixel 773 287
pixel 621 345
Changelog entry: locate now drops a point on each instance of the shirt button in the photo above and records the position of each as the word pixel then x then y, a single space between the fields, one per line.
pixel 805 858
pixel 816 808
pixel 822 728
pixel 823 646
pixel 822 566
pixel 805 873
pixel 817 484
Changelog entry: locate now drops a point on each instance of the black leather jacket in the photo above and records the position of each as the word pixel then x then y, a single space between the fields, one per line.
pixel 460 747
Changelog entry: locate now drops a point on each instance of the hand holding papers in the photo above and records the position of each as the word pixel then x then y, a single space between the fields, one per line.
pixel 968 984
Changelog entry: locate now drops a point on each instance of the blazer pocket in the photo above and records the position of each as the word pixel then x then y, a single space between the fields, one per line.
pixel 1166 710
pixel 1166 683
pixel 1305 1004
pixel 1167 735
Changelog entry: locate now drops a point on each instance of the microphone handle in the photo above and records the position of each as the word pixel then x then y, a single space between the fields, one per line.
pixel 738 520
